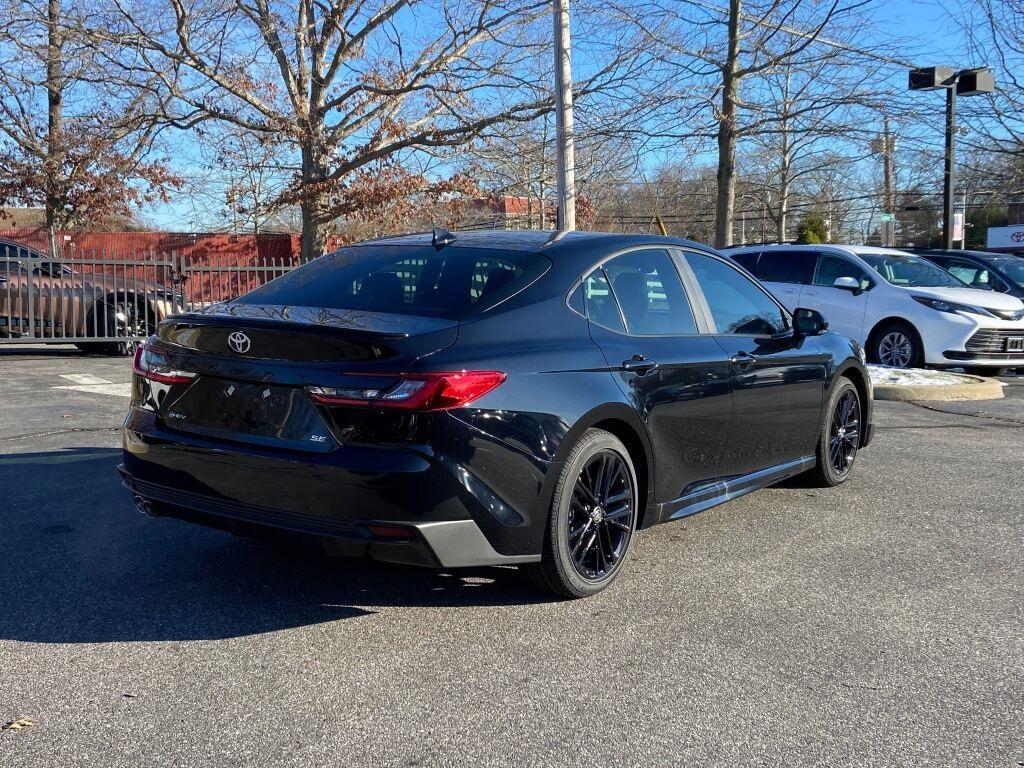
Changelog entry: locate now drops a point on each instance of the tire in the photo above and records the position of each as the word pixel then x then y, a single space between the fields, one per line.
pixel 836 434
pixel 109 319
pixel 981 370
pixel 576 525
pixel 896 345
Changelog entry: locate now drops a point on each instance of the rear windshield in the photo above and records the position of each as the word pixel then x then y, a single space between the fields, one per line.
pixel 453 283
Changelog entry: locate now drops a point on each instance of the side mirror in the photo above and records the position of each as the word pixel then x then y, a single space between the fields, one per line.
pixel 851 284
pixel 809 322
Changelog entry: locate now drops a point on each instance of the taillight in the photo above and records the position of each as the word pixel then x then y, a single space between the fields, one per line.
pixel 153 366
pixel 418 391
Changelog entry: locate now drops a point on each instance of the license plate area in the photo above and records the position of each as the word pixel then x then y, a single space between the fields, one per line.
pixel 1015 344
pixel 264 414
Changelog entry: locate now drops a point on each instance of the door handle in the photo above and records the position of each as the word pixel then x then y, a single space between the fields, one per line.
pixel 743 360
pixel 639 364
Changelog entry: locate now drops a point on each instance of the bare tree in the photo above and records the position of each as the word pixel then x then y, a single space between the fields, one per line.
pixel 68 140
pixel 724 54
pixel 347 83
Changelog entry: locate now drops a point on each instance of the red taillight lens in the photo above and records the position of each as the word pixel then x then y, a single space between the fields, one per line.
pixel 152 366
pixel 419 391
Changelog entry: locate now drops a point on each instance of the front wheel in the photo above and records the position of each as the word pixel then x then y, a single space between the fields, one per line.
pixel 592 518
pixel 840 436
pixel 896 345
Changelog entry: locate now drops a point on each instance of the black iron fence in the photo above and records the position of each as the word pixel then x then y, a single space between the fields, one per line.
pixel 106 302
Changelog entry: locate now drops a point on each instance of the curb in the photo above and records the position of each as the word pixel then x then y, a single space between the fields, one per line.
pixel 977 388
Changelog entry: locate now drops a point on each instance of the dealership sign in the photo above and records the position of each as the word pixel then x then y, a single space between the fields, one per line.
pixel 1010 238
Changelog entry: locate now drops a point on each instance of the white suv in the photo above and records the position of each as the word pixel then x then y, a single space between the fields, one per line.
pixel 903 309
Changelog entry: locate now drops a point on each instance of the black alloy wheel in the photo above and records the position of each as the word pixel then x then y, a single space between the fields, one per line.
pixel 844 432
pixel 600 516
pixel 840 437
pixel 593 516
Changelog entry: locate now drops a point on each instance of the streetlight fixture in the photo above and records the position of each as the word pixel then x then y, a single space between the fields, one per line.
pixel 964 82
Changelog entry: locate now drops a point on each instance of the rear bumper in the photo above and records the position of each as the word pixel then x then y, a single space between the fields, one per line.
pixel 335 497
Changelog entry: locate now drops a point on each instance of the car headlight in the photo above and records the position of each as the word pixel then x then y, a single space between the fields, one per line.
pixel 951 306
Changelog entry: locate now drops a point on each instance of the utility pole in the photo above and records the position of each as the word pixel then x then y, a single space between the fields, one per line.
pixel 949 171
pixel 563 115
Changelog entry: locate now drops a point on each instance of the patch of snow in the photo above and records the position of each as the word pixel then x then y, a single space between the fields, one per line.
pixel 916 377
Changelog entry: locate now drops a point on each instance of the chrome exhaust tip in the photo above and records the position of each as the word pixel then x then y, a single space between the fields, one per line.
pixel 143 506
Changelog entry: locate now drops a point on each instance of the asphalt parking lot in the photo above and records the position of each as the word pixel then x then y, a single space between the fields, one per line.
pixel 877 624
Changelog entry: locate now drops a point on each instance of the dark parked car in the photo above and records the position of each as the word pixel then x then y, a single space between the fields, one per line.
pixel 980 269
pixel 100 311
pixel 491 398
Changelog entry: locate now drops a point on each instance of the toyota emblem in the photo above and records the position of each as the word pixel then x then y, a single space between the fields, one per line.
pixel 239 342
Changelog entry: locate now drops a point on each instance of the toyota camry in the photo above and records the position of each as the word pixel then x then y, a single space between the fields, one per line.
pixel 490 398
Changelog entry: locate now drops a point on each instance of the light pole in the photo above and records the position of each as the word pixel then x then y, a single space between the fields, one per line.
pixel 565 149
pixel 964 82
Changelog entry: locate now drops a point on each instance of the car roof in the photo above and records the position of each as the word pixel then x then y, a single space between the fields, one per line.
pixel 549 242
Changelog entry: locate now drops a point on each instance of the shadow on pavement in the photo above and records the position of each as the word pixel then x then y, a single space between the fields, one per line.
pixel 80 565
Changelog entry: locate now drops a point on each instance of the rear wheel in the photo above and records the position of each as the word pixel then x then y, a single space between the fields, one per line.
pixel 840 436
pixel 592 518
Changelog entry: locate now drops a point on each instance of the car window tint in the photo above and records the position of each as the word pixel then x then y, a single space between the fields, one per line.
pixel 11 266
pixel 786 266
pixel 747 260
pixel 647 287
pixel 601 306
pixel 451 283
pixel 975 275
pixel 737 304
pixel 830 268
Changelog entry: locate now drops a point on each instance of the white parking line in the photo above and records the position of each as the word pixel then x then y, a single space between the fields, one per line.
pixel 83 378
pixel 85 382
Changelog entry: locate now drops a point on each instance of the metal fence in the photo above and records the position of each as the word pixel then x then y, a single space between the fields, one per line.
pixel 107 302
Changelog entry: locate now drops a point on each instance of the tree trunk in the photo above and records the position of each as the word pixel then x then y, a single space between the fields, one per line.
pixel 53 203
pixel 725 203
pixel 315 216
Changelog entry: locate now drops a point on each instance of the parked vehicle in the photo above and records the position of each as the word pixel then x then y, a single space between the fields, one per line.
pixel 906 311
pixel 491 398
pixel 980 269
pixel 42 298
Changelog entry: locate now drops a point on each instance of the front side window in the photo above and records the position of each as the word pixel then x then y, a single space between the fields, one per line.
pixel 908 271
pixel 648 290
pixel 831 268
pixel 786 266
pixel 738 306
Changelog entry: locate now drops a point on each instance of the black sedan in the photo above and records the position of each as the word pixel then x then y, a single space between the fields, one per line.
pixel 490 398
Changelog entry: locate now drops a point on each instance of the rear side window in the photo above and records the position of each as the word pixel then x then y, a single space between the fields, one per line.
pixel 452 283
pixel 747 260
pixel 738 305
pixel 786 266
pixel 648 290
pixel 601 306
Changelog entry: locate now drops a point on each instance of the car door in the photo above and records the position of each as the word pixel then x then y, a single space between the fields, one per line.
pixel 785 273
pixel 778 380
pixel 677 378
pixel 844 309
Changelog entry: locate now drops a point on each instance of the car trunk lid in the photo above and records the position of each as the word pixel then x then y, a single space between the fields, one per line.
pixel 255 365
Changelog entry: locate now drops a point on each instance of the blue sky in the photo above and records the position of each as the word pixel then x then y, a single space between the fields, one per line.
pixel 920 32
